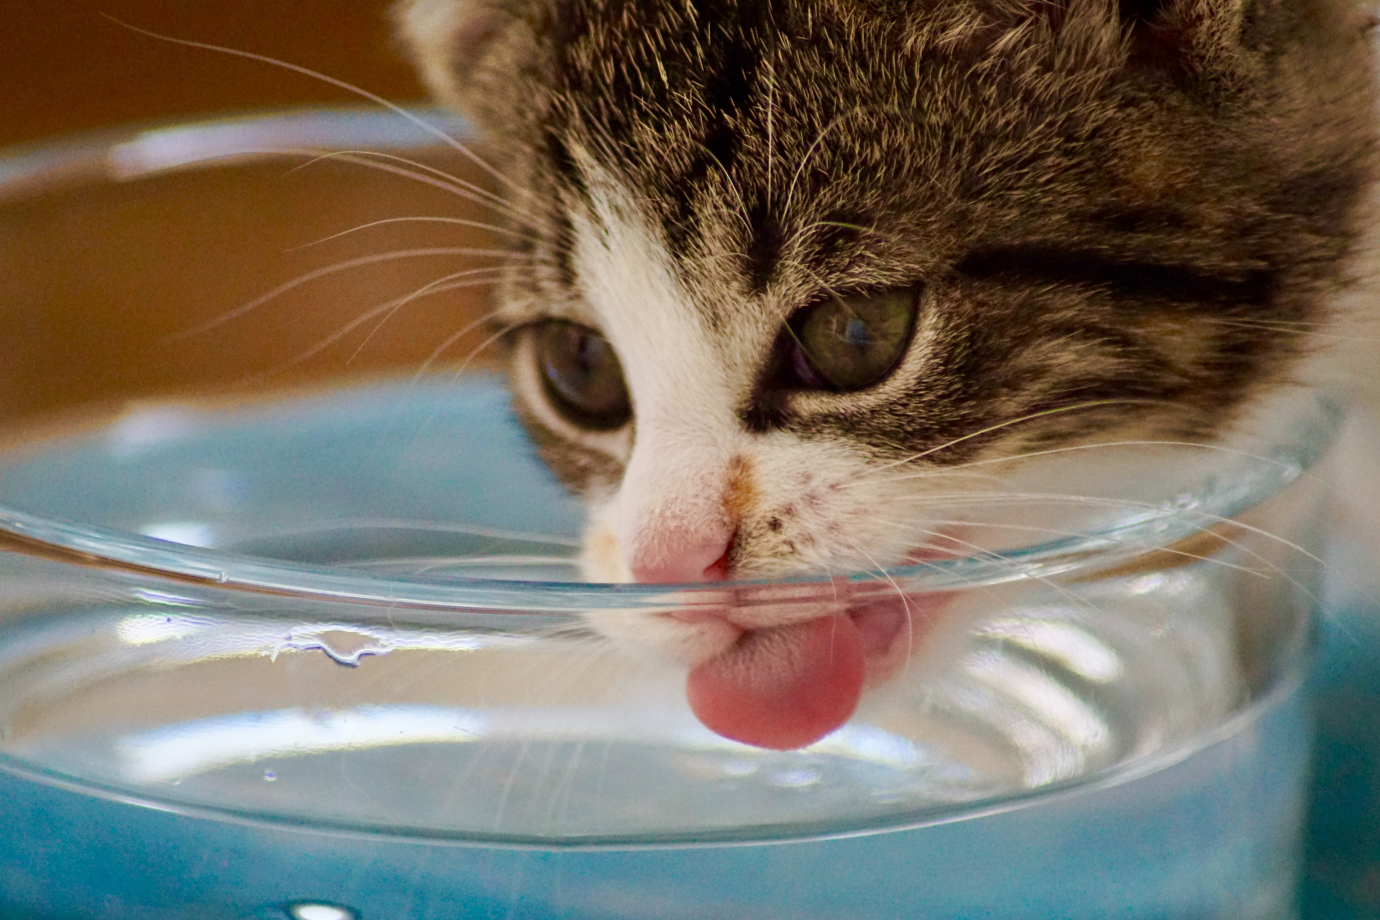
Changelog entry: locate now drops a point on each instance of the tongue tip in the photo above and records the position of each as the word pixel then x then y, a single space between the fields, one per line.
pixel 782 688
pixel 787 740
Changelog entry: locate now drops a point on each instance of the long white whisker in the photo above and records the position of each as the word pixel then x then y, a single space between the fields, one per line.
pixel 460 369
pixel 418 171
pixel 389 308
pixel 1068 593
pixel 1055 498
pixel 905 601
pixel 439 286
pixel 357 158
pixel 431 359
pixel 1080 447
pixel 1140 546
pixel 454 221
pixel 1045 413
pixel 805 161
pixel 393 107
pixel 1290 327
pixel 331 270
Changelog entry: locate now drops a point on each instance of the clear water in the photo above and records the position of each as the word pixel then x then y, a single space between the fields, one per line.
pixel 1213 836
pixel 1128 745
pixel 531 736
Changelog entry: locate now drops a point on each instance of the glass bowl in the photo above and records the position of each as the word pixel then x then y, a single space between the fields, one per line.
pixel 283 651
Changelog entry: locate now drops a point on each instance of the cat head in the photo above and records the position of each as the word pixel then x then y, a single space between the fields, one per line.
pixel 790 268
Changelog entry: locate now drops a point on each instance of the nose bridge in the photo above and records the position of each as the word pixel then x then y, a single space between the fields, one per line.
pixel 669 516
pixel 675 472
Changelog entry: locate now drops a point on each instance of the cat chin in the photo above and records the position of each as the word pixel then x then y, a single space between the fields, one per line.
pixel 663 636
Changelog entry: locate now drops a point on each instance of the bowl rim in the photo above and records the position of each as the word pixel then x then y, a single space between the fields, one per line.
pixel 1152 527
pixel 146 149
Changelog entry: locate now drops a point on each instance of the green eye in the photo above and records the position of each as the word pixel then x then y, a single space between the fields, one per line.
pixel 853 341
pixel 581 375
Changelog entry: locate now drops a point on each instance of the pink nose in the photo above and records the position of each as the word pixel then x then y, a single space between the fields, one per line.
pixel 706 561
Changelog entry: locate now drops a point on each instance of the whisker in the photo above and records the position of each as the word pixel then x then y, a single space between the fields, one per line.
pixel 411 117
pixel 1297 327
pixel 1143 546
pixel 456 221
pixel 905 601
pixel 1243 548
pixel 805 161
pixel 358 158
pixel 973 584
pixel 1080 447
pixel 331 270
pixel 1064 590
pixel 1270 326
pixel 1192 514
pixel 438 178
pixel 1044 413
pixel 390 307
pixel 440 286
pixel 431 359
pixel 483 345
pixel 741 213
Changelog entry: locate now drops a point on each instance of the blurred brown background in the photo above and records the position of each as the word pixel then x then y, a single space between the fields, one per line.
pixel 99 286
pixel 67 67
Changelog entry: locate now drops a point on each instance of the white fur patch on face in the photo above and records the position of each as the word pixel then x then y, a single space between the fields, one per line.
pixel 668 518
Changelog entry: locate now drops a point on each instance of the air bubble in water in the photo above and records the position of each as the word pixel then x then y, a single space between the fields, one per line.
pixel 343 646
pixel 317 910
pixel 796 779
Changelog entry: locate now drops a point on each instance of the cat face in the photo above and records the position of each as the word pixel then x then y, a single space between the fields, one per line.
pixel 791 269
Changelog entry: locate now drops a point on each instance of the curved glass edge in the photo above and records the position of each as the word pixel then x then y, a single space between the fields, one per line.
pixel 108 548
pixel 1293 667
pixel 1156 525
pixel 122 154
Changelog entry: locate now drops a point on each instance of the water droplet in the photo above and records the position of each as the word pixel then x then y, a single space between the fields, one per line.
pixel 343 646
pixel 796 779
pixel 317 910
pixel 270 776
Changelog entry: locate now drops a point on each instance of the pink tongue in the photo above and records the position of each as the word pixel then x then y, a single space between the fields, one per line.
pixel 784 687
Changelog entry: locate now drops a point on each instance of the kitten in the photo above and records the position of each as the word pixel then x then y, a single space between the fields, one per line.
pixel 783 256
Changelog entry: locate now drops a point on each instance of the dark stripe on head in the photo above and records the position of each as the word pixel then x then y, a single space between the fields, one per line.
pixel 764 248
pixel 564 165
pixel 564 247
pixel 736 34
pixel 1132 279
pixel 1141 219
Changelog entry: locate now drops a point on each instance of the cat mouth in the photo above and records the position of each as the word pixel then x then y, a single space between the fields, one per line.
pixel 786 686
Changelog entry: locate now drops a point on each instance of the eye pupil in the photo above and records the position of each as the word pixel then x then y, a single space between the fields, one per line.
pixel 581 375
pixel 850 342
